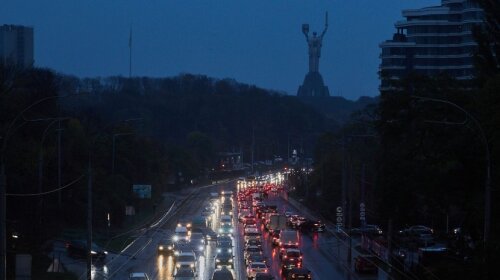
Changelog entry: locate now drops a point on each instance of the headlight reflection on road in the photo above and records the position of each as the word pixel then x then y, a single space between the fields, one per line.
pixel 165 267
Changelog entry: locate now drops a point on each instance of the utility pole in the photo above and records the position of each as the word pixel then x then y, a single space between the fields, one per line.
pixel 362 204
pixel 3 222
pixel 253 146
pixel 59 159
pixel 89 221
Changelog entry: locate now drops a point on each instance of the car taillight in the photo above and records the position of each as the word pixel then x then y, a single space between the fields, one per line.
pixel 293 275
pixel 265 270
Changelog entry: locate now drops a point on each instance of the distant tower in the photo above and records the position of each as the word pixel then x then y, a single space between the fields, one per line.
pixel 313 82
pixel 16 45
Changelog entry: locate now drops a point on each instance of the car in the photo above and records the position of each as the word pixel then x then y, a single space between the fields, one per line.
pixel 263 276
pixel 253 242
pixel 251 249
pixel 181 233
pixel 368 229
pixel 185 274
pixel 255 268
pixel 184 223
pixel 165 247
pixel 224 259
pixel 298 273
pixel 210 235
pixel 138 276
pixel 288 264
pixel 224 245
pixel 183 247
pixel 222 274
pixel 292 254
pixel 226 219
pixel 226 230
pixel 251 233
pixel 197 241
pixel 78 249
pixel 275 235
pixel 285 247
pixel 255 257
pixel 312 226
pixel 185 260
pixel 365 264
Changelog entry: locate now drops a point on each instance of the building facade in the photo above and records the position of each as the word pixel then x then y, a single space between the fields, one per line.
pixel 431 41
pixel 16 45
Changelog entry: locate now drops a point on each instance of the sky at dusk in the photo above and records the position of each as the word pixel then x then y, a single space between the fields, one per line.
pixel 257 42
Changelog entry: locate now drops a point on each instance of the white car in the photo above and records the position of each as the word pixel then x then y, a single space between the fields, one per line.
pixel 138 276
pixel 186 260
pixel 255 268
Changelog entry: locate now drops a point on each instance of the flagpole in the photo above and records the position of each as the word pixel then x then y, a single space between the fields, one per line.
pixel 130 54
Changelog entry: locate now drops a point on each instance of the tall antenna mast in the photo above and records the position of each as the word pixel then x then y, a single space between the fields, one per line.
pixel 130 54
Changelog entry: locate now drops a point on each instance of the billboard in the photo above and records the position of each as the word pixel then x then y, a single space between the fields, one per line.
pixel 142 191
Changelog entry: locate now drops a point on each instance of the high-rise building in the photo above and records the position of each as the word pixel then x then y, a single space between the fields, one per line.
pixel 16 45
pixel 433 40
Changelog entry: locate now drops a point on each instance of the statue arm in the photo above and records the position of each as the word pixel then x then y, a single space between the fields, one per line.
pixel 326 26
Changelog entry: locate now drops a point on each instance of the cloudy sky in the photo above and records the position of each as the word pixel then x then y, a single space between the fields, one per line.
pixel 256 42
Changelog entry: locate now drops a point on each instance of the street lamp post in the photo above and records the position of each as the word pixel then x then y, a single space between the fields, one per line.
pixel 487 184
pixel 3 184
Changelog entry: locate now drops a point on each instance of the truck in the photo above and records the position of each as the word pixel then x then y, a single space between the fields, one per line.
pixel 289 237
pixel 276 221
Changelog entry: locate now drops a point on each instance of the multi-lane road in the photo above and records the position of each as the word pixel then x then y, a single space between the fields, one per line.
pixel 323 254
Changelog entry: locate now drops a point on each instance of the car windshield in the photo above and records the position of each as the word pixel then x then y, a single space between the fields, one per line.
pixel 185 259
pixel 258 265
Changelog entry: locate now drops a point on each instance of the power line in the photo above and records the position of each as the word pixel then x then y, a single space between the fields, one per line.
pixel 48 192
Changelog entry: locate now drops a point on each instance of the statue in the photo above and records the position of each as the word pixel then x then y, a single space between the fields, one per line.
pixel 315 44
pixel 313 85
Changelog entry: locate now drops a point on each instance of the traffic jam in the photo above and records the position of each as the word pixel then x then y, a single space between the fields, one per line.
pixel 239 234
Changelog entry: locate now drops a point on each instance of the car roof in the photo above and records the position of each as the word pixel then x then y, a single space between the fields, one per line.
pixel 299 270
pixel 138 274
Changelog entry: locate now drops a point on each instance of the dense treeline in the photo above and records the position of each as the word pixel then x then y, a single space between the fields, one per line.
pixel 421 157
pixel 166 132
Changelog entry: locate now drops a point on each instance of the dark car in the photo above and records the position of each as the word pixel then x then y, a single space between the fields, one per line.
pixel 263 276
pixel 288 264
pixel 365 264
pixel 166 247
pixel 298 273
pixel 224 259
pixel 275 235
pixel 222 274
pixel 78 249
pixel 312 226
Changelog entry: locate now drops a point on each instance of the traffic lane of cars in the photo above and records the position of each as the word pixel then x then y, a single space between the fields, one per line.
pixel 160 267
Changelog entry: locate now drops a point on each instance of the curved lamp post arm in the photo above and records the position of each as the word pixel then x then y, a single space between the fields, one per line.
pixel 487 187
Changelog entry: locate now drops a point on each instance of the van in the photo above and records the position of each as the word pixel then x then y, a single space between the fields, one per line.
pixel 181 233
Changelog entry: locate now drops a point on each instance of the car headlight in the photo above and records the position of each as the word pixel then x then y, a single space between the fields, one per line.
pixel 160 248
pixel 230 250
pixel 221 230
pixel 178 265
pixel 231 230
pixel 200 248
pixel 218 250
pixel 170 247
pixel 231 260
pixel 176 253
pixel 176 238
pixel 192 265
pixel 217 260
pixel 93 252
pixel 105 252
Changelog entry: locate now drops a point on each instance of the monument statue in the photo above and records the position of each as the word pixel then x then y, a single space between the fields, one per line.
pixel 313 83
pixel 315 43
